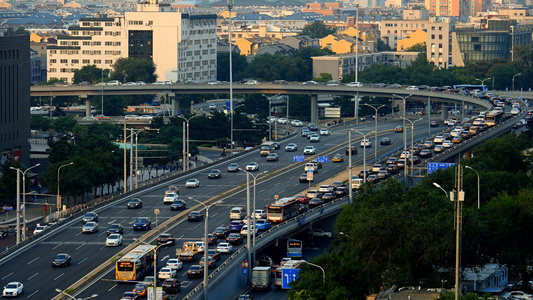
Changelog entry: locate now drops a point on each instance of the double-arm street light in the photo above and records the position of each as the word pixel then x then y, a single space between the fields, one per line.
pixel 23 200
pixel 252 212
pixel 155 261
pixel 483 80
pixel 230 6
pixel 376 130
pixel 513 79
pixel 404 98
pixel 187 151
pixel 206 244
pixel 411 155
pixel 478 191
pixel 323 272
pixel 58 194
pixel 350 158
pixel 72 297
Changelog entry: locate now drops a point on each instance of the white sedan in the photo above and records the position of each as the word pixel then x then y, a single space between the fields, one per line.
pixel 13 289
pixel 321 233
pixel 297 123
pixel 192 183
pixel 366 143
pixel 166 272
pixel 224 248
pixel 253 166
pixel 324 131
pixel 113 240
pixel 175 263
pixel 170 197
pixel 447 144
pixel 282 121
pixel 309 150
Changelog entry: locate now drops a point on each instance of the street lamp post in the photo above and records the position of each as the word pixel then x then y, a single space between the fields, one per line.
pixel 350 159
pixel 230 6
pixel 478 191
pixel 269 118
pixel 72 297
pixel 404 133
pixel 412 141
pixel 187 151
pixel 376 130
pixel 323 272
pixel 357 44
pixel 102 85
pixel 252 213
pixel 206 244
pixel 155 261
pixel 23 200
pixel 513 79
pixel 58 194
pixel 483 80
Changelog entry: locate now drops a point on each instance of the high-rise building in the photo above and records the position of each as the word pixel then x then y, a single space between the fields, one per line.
pixel 182 46
pixel 15 99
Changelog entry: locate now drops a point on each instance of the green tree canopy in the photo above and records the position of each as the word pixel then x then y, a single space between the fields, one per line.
pixel 134 69
pixel 318 30
pixel 91 74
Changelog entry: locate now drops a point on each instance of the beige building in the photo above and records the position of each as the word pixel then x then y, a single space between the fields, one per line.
pixel 182 46
pixel 394 30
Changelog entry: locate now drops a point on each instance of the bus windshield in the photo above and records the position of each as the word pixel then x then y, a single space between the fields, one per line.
pixel 124 266
pixel 274 209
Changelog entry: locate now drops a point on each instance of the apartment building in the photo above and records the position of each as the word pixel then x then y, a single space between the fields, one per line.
pixel 394 30
pixel 182 46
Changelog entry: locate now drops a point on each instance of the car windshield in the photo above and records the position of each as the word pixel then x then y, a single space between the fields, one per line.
pixel 219 229
pixel 89 215
pixel 61 256
pixel 11 286
pixel 113 237
pixel 114 227
pixel 141 220
pixel 178 201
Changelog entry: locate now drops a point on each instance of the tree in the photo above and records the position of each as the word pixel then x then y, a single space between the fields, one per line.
pixel 113 105
pixel 64 123
pixel 420 47
pixel 306 55
pixel 318 30
pixel 39 122
pixel 323 77
pixel 19 30
pixel 91 74
pixel 239 66
pixel 62 150
pixel 300 107
pixel 381 46
pixel 133 69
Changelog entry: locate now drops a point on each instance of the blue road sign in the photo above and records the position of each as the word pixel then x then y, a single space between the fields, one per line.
pixel 322 159
pixel 302 222
pixel 228 105
pixel 298 158
pixel 432 167
pixel 244 271
pixel 7 208
pixel 288 275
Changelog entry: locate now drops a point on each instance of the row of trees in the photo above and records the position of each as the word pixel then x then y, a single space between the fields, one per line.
pixel 394 235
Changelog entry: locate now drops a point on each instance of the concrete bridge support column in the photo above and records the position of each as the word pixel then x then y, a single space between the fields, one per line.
pixel 175 101
pixel 443 112
pixel 87 105
pixel 314 109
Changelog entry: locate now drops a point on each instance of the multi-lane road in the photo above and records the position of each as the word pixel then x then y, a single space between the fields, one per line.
pixel 32 266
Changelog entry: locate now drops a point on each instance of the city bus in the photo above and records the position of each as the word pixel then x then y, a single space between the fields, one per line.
pixel 493 118
pixel 471 87
pixel 283 209
pixel 294 248
pixel 136 264
pixel 287 273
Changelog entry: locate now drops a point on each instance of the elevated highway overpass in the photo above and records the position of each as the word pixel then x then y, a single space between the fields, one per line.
pixel 177 90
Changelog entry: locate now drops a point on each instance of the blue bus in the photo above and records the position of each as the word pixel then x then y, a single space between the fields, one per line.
pixel 470 87
pixel 294 248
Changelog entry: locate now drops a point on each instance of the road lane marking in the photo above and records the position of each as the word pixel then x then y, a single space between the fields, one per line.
pixel 281 192
pixel 165 257
pixel 32 276
pixel 7 275
pixel 277 183
pixel 112 221
pixel 59 276
pixel 33 260
pixel 57 246
pixel 82 261
pixel 111 288
pixel 32 294
pixel 103 232
pixel 261 191
pixel 80 246
pixel 79 233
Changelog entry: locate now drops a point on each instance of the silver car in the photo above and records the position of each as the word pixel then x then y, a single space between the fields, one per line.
pixel 90 227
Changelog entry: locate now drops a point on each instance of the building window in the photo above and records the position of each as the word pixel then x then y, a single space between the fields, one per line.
pixel 86 61
pixel 477 47
pixel 53 61
pixel 63 61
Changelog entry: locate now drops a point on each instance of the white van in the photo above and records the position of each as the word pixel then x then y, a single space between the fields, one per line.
pixel 237 213
pixel 356 183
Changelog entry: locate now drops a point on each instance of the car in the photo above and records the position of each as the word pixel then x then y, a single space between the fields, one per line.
pixel 166 272
pixel 310 82
pixel 101 117
pixel 129 296
pixel 383 174
pixel 415 160
pixel 113 240
pixel 201 246
pixel 457 139
pixel 283 121
pixel 321 233
pixel 429 145
pixel 377 167
pixel 324 131
pixel 314 202
pixel 192 183
pixel 251 82
pixel 214 254
pixel 221 232
pixel 89 118
pixel 235 226
pixel 426 153
pixel 244 297
pixel 171 286
pixel 465 134
pixel 447 144
pixel 272 157
pixel 113 83
pixel 211 239
pixel 313 194
pixel 313 127
pixel 515 111
pixel 170 197
pixel 149 280
pixel 195 271
pixel 303 178
pixel 434 124
pixel 215 82
pixel 115 228
pixel 260 214
pixel 297 123
pixel 438 148
pixel 305 132
pixel 401 163
pixel 385 141
pixel 338 158
pixel 412 88
pixel 391 160
pixel 195 216
pixel 438 139
pixel 263 224
pixel 328 196
pixel 366 143
pixel 142 223
pixel 520 295
pixel 39 229
pixel 392 168
pixel 211 262
pixel 314 138
pixel 332 83
pixel 172 189
pixel 178 204
pixel 234 238
pixel 135 203
pixel 291 147
pixel 224 248
pixel 244 230
pixel 90 227
pixel 309 150
pixel 140 83
pixel 129 83
pixel 372 178
pixel 325 188
pixel 354 151
pixel 341 191
pixel 90 217
pixel 13 289
pixel 405 154
pixel 253 166
pixel 233 167
pixel 276 145
pixel 165 238
pixel 140 289
pixel 61 260
pixel 398 128
pixel 214 174
pixel 354 84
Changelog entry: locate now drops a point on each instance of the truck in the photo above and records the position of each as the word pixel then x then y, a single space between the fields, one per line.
pixel 188 252
pixel 311 167
pixel 267 148
pixel 261 278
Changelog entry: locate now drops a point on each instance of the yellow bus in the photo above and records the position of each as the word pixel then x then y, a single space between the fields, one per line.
pixel 136 264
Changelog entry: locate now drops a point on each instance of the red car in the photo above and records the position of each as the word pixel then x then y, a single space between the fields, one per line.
pixel 303 199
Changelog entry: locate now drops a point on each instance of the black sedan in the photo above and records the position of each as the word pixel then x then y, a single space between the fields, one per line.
pixel 142 223
pixel 61 260
pixel 115 228
pixel 135 203
pixel 214 254
pixel 315 202
pixel 234 238
pixel 178 205
pixel 303 178
pixel 385 141
pixel 195 216
pixel 214 174
pixel 434 124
